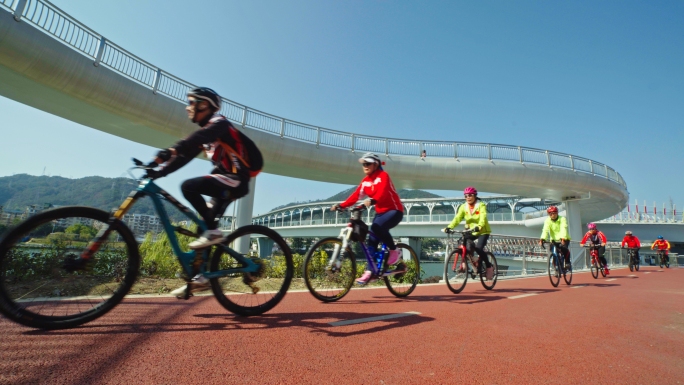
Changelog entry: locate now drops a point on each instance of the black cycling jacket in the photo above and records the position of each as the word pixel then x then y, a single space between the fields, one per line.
pixel 214 130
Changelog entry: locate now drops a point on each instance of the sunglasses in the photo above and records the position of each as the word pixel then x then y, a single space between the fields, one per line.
pixel 193 102
pixel 469 195
pixel 366 164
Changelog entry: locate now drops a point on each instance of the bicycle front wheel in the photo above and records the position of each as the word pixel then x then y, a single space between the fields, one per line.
pixel 403 284
pixel 37 290
pixel 489 283
pixel 636 264
pixel 603 270
pixel 567 273
pixel 255 293
pixel 594 270
pixel 554 272
pixel 329 282
pixel 456 271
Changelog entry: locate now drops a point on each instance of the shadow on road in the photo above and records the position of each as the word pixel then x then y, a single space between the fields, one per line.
pixel 468 298
pixel 318 322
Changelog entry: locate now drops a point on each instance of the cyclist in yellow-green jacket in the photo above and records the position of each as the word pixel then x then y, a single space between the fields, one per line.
pixel 474 212
pixel 556 228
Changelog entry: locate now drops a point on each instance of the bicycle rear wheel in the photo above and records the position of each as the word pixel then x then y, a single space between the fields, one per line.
pixel 455 279
pixel 35 288
pixel 329 283
pixel 489 284
pixel 554 272
pixel 250 294
pixel 403 284
pixel 594 270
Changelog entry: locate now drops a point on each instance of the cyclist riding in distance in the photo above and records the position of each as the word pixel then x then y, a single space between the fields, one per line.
pixel 597 237
pixel 663 245
pixel 475 214
pixel 632 242
pixel 377 188
pixel 227 182
pixel 556 227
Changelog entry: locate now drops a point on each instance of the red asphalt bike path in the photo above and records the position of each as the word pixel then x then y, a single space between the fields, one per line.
pixel 628 330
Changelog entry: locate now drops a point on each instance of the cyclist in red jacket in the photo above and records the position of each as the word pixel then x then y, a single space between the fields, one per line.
pixel 632 242
pixel 596 238
pixel 377 186
pixel 663 245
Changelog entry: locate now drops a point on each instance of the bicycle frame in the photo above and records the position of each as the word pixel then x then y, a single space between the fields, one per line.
pixel 376 267
pixel 464 251
pixel 556 257
pixel 191 262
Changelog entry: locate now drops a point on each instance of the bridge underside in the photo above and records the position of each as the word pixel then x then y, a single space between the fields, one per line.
pixel 39 71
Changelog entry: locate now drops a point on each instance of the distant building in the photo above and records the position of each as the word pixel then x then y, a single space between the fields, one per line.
pixel 142 224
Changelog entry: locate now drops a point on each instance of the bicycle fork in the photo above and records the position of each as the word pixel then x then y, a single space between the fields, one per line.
pixel 102 235
pixel 335 262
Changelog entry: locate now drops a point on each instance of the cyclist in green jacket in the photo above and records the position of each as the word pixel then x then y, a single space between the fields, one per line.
pixel 475 214
pixel 556 227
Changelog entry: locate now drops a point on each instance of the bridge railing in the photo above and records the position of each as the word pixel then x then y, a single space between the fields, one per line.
pixel 58 24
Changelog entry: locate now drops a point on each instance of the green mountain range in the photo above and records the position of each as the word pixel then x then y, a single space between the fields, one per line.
pixel 343 195
pixel 21 190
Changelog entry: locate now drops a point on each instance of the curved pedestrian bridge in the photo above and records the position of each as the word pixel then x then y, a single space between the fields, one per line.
pixel 53 62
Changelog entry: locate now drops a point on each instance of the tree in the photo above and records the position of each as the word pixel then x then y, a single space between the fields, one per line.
pixel 85 232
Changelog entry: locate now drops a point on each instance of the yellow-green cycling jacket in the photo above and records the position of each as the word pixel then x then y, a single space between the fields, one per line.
pixel 477 218
pixel 557 229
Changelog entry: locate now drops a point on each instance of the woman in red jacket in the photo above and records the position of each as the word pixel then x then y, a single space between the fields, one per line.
pixel 389 211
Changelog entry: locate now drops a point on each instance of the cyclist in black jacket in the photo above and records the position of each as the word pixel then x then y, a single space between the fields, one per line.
pixel 229 179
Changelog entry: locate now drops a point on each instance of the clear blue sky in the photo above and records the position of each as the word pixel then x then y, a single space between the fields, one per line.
pixel 603 80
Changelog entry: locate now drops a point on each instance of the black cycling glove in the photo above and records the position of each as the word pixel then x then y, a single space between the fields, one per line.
pixel 164 154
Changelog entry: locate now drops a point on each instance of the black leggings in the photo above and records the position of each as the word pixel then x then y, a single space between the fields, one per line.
pixel 379 231
pixel 564 250
pixel 479 246
pixel 223 189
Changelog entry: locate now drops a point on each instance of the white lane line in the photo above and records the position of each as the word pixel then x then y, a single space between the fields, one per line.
pixel 632 275
pixel 577 287
pixel 373 319
pixel 523 295
pixel 659 270
pixel 648 272
pixel 612 279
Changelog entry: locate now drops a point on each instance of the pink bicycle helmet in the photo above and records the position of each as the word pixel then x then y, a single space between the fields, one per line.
pixel 470 190
pixel 552 209
pixel 591 226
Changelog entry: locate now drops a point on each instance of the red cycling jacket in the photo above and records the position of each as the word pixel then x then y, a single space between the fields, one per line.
pixel 632 242
pixel 377 186
pixel 596 239
pixel 661 244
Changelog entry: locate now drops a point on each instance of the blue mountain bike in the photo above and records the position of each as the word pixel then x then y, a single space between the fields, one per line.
pixel 557 266
pixel 330 264
pixel 70 265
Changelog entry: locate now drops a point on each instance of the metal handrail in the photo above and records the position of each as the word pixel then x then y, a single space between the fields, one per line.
pixel 58 24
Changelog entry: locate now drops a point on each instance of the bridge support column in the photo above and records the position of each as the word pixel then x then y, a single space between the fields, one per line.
pixel 265 247
pixel 572 213
pixel 244 216
pixel 415 244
